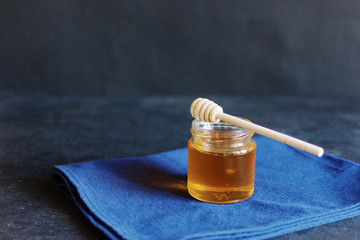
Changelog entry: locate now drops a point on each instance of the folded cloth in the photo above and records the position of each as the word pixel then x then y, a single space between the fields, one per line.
pixel 146 197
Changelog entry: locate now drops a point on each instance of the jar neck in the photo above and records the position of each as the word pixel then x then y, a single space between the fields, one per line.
pixel 222 138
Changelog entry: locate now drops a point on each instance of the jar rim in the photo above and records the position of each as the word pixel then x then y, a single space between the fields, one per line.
pixel 221 138
pixel 223 128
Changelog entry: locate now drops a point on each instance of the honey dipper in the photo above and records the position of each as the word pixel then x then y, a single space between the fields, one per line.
pixel 208 111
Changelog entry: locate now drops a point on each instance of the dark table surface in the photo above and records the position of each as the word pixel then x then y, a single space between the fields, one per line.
pixel 38 132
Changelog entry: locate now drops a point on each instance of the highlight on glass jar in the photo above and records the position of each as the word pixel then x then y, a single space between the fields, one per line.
pixel 221 162
pixel 221 155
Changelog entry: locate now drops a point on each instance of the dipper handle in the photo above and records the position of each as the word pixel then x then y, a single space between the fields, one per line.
pixel 208 111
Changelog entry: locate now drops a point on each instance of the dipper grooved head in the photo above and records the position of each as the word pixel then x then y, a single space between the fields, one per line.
pixel 205 110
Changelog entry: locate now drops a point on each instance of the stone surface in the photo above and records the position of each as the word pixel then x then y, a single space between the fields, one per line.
pixel 38 132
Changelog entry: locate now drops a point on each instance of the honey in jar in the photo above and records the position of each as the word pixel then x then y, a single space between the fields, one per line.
pixel 221 162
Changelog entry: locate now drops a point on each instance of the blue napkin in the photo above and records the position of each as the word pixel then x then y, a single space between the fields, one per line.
pixel 146 197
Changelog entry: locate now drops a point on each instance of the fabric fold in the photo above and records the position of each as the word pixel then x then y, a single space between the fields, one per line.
pixel 146 197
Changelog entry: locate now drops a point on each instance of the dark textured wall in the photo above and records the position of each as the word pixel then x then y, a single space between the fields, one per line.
pixel 298 47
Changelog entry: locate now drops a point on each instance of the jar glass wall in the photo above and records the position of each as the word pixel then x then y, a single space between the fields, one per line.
pixel 221 162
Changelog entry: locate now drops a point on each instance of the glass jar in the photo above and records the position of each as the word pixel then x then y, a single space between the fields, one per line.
pixel 221 162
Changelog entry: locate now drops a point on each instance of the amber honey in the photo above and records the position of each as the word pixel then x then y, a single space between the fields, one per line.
pixel 221 162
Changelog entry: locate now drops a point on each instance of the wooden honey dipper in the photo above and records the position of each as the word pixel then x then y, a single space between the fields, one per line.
pixel 208 111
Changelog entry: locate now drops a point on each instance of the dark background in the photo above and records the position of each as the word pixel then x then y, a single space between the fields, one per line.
pixel 87 79
pixel 135 47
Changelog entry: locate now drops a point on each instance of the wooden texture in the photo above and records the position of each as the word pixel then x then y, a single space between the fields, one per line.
pixel 206 110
